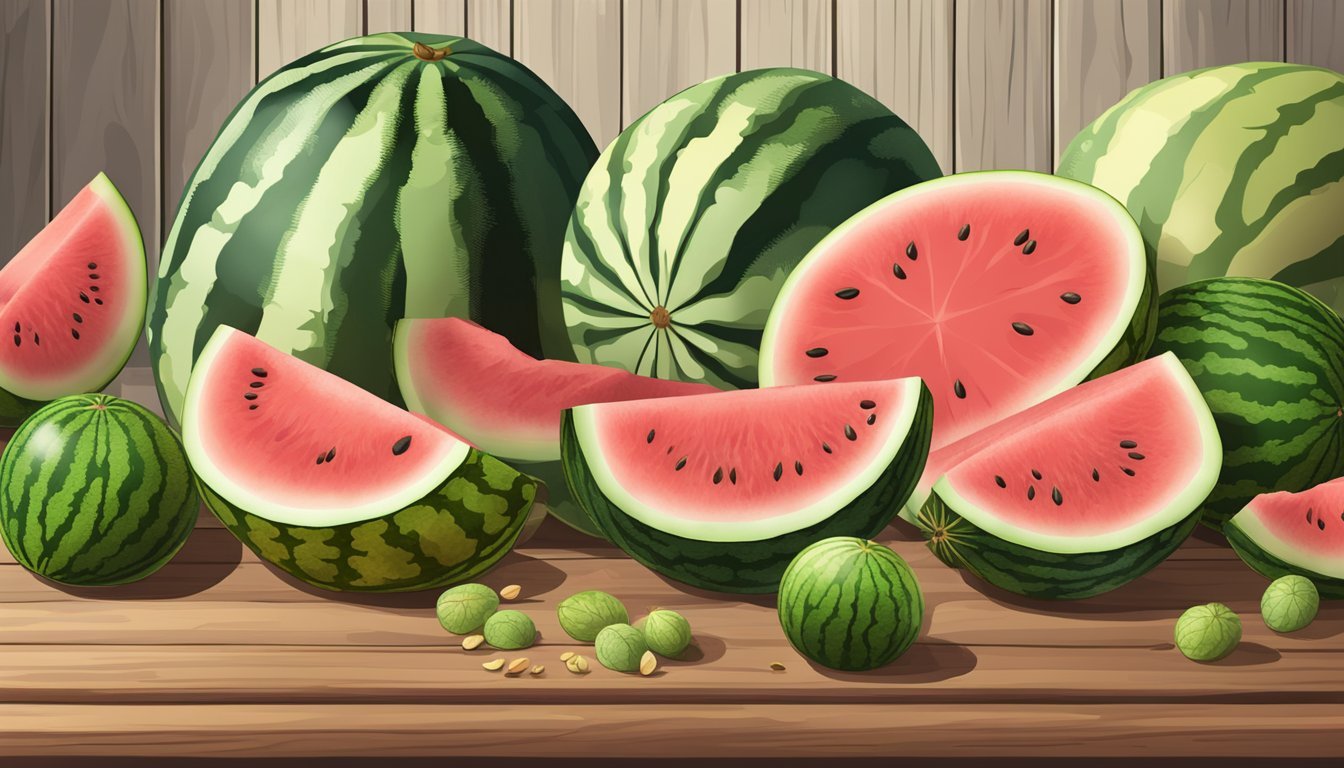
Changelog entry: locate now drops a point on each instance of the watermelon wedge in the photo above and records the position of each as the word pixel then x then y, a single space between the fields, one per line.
pixel 1082 493
pixel 1000 289
pixel 1302 533
pixel 73 301
pixel 721 491
pixel 335 485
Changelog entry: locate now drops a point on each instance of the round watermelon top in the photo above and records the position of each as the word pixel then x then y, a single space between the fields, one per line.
pixel 292 443
pixel 999 289
pixel 1305 528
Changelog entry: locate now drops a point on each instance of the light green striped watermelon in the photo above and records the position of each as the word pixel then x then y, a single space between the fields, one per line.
pixel 1269 359
pixel 690 222
pixel 95 490
pixel 850 604
pixel 336 486
pixel 1231 170
pixel 388 176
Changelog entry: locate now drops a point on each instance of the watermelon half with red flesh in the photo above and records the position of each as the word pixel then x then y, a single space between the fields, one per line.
pixel 1000 289
pixel 1081 493
pixel 507 403
pixel 335 485
pixel 721 491
pixel 1303 533
pixel 71 303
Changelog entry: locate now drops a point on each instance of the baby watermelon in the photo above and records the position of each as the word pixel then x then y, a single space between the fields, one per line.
pixel 1303 533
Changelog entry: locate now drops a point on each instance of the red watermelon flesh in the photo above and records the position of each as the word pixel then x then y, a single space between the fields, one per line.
pixel 1304 530
pixel 73 300
pixel 500 399
pixel 999 289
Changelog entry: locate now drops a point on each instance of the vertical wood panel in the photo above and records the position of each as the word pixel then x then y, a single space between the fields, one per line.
pixel 24 182
pixel 386 16
pixel 576 48
pixel 105 108
pixel 1003 84
pixel 673 44
pixel 786 33
pixel 900 51
pixel 441 17
pixel 1316 33
pixel 208 66
pixel 1103 50
pixel 288 29
pixel 1206 33
pixel 490 22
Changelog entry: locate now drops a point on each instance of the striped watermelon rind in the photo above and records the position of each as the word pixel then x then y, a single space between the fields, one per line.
pixel 685 230
pixel 1229 170
pixel 1269 359
pixel 850 604
pixel 95 490
pixel 361 184
pixel 1272 566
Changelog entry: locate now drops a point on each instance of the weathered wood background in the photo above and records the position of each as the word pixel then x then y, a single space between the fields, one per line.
pixel 139 87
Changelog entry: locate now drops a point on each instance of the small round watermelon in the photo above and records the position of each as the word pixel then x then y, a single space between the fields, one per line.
pixel 95 490
pixel 850 604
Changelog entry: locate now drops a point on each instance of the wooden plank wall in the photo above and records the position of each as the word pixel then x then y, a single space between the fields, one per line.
pixel 139 87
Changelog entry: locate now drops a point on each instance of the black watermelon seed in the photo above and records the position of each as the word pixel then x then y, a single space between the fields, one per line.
pixel 252 407
pixel 1000 482
pixel 669 449
pixel 17 328
pixel 1036 473
pixel 1135 455
pixel 331 454
pixel 826 447
pixel 649 439
pixel 78 319
pixel 1096 476
pixel 92 265
pixel 1023 328
pixel 965 232
pixel 37 340
pixel 779 471
pixel 1127 471
pixel 1056 496
pixel 824 377
pixel 872 419
pixel 250 396
pixel 401 445
pixel 850 433
pixel 1308 514
pixel 732 475
pixel 17 340
pixel 867 405
pixel 99 302
pixel 1128 444
pixel 259 372
pixel 1022 237
pixel 321 457
pixel 817 352
pixel 74 333
pixel 1320 523
pixel 798 467
pixel 959 389
pixel 1070 297
pixel 84 298
pixel 93 276
pixel 911 251
pixel 718 475
pixel 256 385
pixel 847 293
pixel 897 271
pixel 1029 247
pixel 93 288
pixel 681 463
pixel 1031 492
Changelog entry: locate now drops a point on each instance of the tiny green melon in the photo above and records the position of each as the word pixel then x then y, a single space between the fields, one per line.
pixel 619 647
pixel 584 614
pixel 667 633
pixel 1208 632
pixel 466 607
pixel 1290 603
pixel 510 630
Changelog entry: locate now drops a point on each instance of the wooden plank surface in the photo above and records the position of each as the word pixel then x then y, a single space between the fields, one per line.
pixel 1103 50
pixel 901 52
pixel 1315 33
pixel 673 44
pixel 25 186
pixel 387 16
pixel 1205 33
pixel 440 17
pixel 786 33
pixel 576 48
pixel 288 29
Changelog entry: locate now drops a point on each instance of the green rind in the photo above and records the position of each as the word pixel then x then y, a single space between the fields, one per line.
pixel 748 566
pixel 1272 567
pixel 454 533
pixel 850 604
pixel 559 501
pixel 1269 360
pixel 1035 573
pixel 95 491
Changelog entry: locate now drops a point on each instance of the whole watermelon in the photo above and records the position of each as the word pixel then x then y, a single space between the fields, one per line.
pixel 691 220
pixel 1232 170
pixel 388 176
pixel 95 490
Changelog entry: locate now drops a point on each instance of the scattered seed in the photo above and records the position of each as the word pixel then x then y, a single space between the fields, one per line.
pixel 779 471
pixel 1022 237
pixel 518 666
pixel 78 319
pixel 817 352
pixel 577 664
pixel 911 251
pixel 1056 496
pixel 472 642
pixel 824 377
pixel 75 332
pixel 538 669
pixel 510 592
pixel 999 481
pixel 256 385
pixel 872 419
pixel 494 665
pixel 1023 328
pixel 93 288
pixel 331 454
pixel 1031 492
pixel 92 265
pixel 321 457
pixel 681 464
pixel 1036 473
pixel 259 372
pixel 732 475
pixel 93 275
pixel 1029 247
pixel 1135 455
pixel 1309 514
pixel 37 340
pixel 401 445
pixel 847 293
pixel 1320 523
pixel 1096 476
pixel 1128 444
pixel 252 407
pixel 718 475
pixel 648 664
pixel 850 433
pixel 249 395
pixel 867 405
pixel 959 389
pixel 1127 471
pixel 897 271
pixel 965 232
pixel 798 467
pixel 826 447
pixel 18 340
pixel 567 655
pixel 1070 297
pixel 83 297
pixel 777 666
pixel 99 302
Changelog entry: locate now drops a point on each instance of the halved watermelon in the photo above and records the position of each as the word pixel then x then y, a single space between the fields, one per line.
pixel 1303 533
pixel 999 289
pixel 335 485
pixel 1084 492
pixel 721 491
pixel 74 298
pixel 504 401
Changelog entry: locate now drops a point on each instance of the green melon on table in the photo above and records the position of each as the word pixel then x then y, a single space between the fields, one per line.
pixel 693 217
pixel 1230 170
pixel 387 176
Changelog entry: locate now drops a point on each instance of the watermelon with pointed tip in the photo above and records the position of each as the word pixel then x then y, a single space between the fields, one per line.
pixel 1303 533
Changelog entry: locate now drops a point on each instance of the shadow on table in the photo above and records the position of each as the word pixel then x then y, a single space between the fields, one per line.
pixel 204 561
pixel 927 661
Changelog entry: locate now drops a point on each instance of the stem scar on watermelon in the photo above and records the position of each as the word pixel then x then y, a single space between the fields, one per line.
pixel 71 303
pixel 336 486
pixel 1295 533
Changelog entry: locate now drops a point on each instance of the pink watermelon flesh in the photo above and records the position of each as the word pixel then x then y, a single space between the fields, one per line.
pixel 1305 529
pixel 292 443
pixel 500 399
pixel 73 300
pixel 999 289
pixel 1106 463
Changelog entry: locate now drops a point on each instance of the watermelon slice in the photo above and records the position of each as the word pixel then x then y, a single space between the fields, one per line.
pixel 721 491
pixel 999 289
pixel 1084 492
pixel 507 403
pixel 1303 533
pixel 335 485
pixel 73 301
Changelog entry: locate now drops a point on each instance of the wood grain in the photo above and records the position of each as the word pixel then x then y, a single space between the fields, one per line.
pixel 576 48
pixel 1206 33
pixel 209 64
pixel 786 33
pixel 440 17
pixel 673 44
pixel 25 186
pixel 387 16
pixel 1315 33
pixel 288 29
pixel 1003 85
pixel 1103 50
pixel 901 52
pixel 490 22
